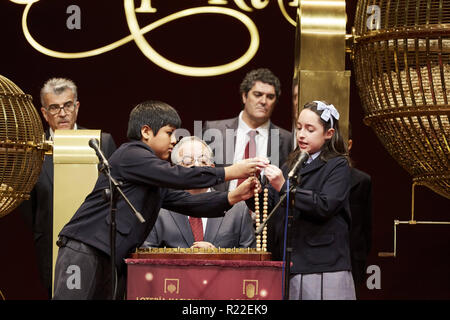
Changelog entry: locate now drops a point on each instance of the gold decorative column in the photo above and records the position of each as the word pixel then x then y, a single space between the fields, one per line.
pixel 75 174
pixel 320 56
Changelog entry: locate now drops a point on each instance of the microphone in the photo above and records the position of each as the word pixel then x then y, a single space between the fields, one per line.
pixel 300 160
pixel 302 157
pixel 94 144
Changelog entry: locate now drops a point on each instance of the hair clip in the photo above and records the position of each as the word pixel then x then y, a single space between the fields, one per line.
pixel 329 111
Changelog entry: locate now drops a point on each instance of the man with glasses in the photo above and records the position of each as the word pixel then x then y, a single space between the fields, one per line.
pixel 59 100
pixel 173 230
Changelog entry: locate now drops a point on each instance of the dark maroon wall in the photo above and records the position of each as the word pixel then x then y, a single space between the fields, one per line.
pixel 112 83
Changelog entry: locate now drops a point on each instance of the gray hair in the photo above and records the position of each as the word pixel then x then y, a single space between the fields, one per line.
pixel 174 157
pixel 58 86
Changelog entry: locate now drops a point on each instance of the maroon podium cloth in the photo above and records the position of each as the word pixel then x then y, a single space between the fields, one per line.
pixel 170 279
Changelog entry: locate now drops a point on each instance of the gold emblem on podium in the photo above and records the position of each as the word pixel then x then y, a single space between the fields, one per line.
pixel 250 288
pixel 171 285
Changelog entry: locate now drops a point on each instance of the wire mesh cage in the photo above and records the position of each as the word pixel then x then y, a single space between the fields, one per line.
pixel 21 140
pixel 402 67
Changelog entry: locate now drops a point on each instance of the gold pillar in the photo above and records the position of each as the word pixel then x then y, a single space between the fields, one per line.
pixel 75 174
pixel 320 56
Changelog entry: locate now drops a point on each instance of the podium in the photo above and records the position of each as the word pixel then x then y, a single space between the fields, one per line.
pixel 203 279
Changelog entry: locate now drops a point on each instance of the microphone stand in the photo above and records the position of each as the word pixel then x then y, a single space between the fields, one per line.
pixel 112 195
pixel 294 182
pixel 261 227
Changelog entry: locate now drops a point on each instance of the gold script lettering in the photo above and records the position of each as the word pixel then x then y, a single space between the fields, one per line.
pixel 293 3
pixel 164 63
pixel 260 4
pixel 146 7
pixel 215 2
pixel 137 35
pixel 242 5
pixel 257 4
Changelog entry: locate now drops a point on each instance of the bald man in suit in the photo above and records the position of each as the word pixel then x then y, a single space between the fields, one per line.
pixel 173 230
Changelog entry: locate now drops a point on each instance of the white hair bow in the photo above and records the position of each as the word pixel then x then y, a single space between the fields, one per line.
pixel 329 111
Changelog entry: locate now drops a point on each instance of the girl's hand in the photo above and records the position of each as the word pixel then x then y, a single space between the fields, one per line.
pixel 275 176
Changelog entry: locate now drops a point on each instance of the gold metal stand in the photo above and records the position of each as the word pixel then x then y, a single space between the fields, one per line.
pixel 410 222
pixel 75 174
pixel 320 48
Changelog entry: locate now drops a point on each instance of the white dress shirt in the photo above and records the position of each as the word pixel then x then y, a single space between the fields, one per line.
pixel 52 133
pixel 242 138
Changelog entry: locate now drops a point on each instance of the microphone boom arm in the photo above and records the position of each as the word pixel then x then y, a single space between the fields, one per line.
pixel 261 227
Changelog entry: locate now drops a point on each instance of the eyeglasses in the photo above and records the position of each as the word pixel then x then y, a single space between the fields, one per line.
pixel 55 109
pixel 189 161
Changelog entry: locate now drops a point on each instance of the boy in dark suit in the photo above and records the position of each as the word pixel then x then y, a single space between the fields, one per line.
pixel 146 176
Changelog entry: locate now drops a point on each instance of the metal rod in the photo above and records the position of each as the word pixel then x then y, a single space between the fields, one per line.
pixel 423 222
pixel 412 201
pixel 410 222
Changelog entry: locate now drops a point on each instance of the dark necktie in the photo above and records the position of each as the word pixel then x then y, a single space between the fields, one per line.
pixel 250 149
pixel 197 228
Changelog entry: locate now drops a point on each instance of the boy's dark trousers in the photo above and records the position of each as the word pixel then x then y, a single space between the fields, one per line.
pixel 82 272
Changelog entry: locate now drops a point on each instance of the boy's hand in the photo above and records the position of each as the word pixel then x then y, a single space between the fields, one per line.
pixel 245 191
pixel 245 168
pixel 275 176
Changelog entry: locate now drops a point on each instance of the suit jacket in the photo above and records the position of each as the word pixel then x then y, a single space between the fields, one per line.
pixel 234 230
pixel 320 229
pixel 38 210
pixel 361 232
pixel 146 182
pixel 224 149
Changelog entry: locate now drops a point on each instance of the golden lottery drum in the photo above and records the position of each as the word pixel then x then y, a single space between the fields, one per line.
pixel 21 141
pixel 402 66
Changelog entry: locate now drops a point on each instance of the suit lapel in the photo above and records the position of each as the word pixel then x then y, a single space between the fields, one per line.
pixel 212 228
pixel 231 125
pixel 314 165
pixel 47 165
pixel 183 225
pixel 269 142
